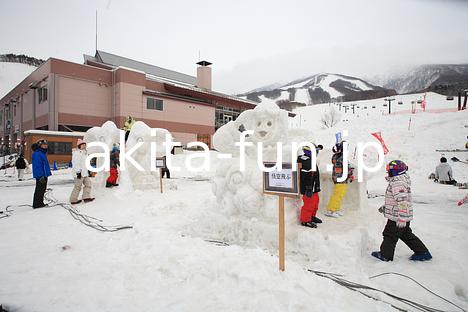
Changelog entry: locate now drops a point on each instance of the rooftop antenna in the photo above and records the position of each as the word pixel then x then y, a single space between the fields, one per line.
pixel 96 31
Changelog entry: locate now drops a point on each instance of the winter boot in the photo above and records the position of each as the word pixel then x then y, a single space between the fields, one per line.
pixel 379 256
pixel 309 224
pixel 316 220
pixel 332 214
pixel 76 202
pixel 421 257
pixel 87 200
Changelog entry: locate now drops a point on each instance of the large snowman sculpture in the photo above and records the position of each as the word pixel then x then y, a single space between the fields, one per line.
pixel 239 192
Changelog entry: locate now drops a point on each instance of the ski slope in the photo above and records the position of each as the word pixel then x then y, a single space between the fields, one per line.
pixel 165 263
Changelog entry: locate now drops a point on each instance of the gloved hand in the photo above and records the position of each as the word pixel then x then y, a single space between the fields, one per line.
pixel 42 180
pixel 401 224
pixel 78 175
pixel 308 192
pixel 382 209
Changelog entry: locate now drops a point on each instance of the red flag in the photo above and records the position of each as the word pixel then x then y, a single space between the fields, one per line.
pixel 378 136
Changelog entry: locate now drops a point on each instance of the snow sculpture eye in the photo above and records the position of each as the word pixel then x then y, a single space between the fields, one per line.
pixel 140 139
pixel 269 124
pixel 259 123
pixel 102 139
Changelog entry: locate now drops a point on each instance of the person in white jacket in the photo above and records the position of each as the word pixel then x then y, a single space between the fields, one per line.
pixel 443 173
pixel 80 174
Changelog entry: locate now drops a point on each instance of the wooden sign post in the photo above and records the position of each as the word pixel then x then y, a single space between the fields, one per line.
pixel 281 232
pixel 161 164
pixel 283 183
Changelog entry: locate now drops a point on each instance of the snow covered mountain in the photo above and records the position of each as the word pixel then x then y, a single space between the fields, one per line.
pixel 442 78
pixel 13 69
pixel 319 88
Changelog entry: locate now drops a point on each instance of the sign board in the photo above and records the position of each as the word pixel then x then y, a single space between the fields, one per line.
pixel 284 182
pixel 160 162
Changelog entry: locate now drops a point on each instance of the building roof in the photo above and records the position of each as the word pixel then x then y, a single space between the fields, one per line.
pixel 54 133
pixel 120 61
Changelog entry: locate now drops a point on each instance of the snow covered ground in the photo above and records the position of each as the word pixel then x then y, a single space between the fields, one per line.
pixel 165 263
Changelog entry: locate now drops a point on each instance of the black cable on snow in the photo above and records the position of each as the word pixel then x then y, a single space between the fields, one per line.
pixel 421 285
pixel 360 288
pixel 85 219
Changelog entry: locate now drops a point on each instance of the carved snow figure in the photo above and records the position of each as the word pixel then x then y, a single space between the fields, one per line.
pixel 240 192
pixel 108 134
pixel 268 122
pixel 141 132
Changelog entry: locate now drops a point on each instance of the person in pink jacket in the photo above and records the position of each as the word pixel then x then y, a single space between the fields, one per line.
pixel 398 209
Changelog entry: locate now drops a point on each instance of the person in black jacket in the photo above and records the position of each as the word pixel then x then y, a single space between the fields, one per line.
pixel 310 187
pixel 21 164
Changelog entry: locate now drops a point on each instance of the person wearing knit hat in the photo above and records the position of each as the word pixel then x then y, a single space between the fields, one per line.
pixel 80 174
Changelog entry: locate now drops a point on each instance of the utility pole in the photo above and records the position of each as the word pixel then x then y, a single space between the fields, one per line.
pixel 96 31
pixel 389 100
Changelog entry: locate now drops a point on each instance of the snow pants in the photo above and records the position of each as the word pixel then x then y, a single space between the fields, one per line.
pixel 165 171
pixel 339 192
pixel 41 187
pixel 310 207
pixel 20 174
pixel 78 183
pixel 391 235
pixel 113 176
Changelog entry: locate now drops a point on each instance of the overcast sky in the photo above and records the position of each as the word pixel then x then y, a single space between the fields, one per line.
pixel 251 43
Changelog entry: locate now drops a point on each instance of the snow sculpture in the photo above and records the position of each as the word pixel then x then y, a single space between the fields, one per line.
pixel 108 134
pixel 268 121
pixel 131 178
pixel 141 132
pixel 240 193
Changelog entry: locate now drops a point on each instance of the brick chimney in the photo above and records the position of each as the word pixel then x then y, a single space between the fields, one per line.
pixel 204 75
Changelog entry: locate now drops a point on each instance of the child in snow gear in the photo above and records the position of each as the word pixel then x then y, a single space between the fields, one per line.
pixel 114 163
pixel 443 173
pixel 128 126
pixel 310 187
pixel 41 171
pixel 398 210
pixel 340 188
pixel 21 165
pixel 80 174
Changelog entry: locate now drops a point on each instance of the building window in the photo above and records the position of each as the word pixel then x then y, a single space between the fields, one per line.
pixel 42 94
pixel 59 148
pixel 152 103
pixel 1 118
pixel 14 110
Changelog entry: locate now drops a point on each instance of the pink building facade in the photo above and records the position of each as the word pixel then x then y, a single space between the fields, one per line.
pixel 65 96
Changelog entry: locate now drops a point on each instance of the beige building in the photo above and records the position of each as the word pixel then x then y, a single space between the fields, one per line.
pixel 66 96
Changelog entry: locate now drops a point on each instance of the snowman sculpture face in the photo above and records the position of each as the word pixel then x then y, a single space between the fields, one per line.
pixel 265 126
